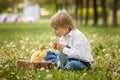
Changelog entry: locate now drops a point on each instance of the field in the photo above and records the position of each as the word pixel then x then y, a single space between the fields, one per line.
pixel 19 41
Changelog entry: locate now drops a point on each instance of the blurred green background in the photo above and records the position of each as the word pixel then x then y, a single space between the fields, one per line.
pixel 99 20
pixel 86 12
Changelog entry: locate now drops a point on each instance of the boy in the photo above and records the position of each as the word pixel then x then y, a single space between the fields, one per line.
pixel 73 47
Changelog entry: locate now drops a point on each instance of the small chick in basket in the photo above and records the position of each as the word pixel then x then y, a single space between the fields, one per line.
pixel 39 55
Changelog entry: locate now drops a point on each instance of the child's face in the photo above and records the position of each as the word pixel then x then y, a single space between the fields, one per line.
pixel 60 31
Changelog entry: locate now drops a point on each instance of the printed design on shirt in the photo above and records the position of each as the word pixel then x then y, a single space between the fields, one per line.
pixel 67 46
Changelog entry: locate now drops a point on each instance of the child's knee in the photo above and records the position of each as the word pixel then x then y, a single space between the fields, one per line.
pixel 73 65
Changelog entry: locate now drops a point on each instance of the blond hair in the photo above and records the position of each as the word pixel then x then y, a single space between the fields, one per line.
pixel 62 19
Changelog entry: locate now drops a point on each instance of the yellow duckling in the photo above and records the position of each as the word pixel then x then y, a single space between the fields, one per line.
pixel 39 55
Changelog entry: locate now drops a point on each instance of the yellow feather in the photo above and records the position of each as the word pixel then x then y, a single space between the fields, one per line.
pixel 39 55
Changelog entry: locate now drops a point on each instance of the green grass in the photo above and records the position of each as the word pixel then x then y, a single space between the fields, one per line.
pixel 19 41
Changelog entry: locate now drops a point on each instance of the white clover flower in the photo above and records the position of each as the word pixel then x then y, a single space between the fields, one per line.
pixel 119 50
pixel 42 69
pixel 27 50
pixel 107 55
pixel 116 46
pixel 98 57
pixel 1 66
pixel 11 43
pixel 91 41
pixel 115 74
pixel 25 57
pixel 84 74
pixel 39 76
pixel 21 41
pixel 27 39
pixel 104 50
pixel 23 47
pixel 12 73
pixel 56 68
pixel 8 46
pixel 13 46
pixel 32 51
pixel 6 66
pixel 49 76
pixel 5 41
pixel 94 35
pixel 52 38
pixel 2 47
pixel 50 43
pixel 47 70
pixel 17 77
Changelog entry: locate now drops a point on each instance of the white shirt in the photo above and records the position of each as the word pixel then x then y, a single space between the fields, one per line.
pixel 79 47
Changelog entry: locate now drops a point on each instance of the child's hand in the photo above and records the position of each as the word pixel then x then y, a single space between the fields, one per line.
pixel 57 46
pixel 54 45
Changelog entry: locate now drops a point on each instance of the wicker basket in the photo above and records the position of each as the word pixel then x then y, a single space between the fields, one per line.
pixel 35 65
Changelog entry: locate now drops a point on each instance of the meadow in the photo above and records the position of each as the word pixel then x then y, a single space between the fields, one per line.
pixel 19 41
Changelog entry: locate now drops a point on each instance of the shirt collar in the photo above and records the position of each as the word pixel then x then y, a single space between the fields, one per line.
pixel 69 34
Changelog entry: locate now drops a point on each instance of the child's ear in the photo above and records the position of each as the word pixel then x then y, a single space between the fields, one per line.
pixel 68 27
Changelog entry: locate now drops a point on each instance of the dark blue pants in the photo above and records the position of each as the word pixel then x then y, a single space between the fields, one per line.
pixel 72 64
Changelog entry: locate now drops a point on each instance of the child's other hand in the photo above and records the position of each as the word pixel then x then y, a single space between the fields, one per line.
pixel 57 46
